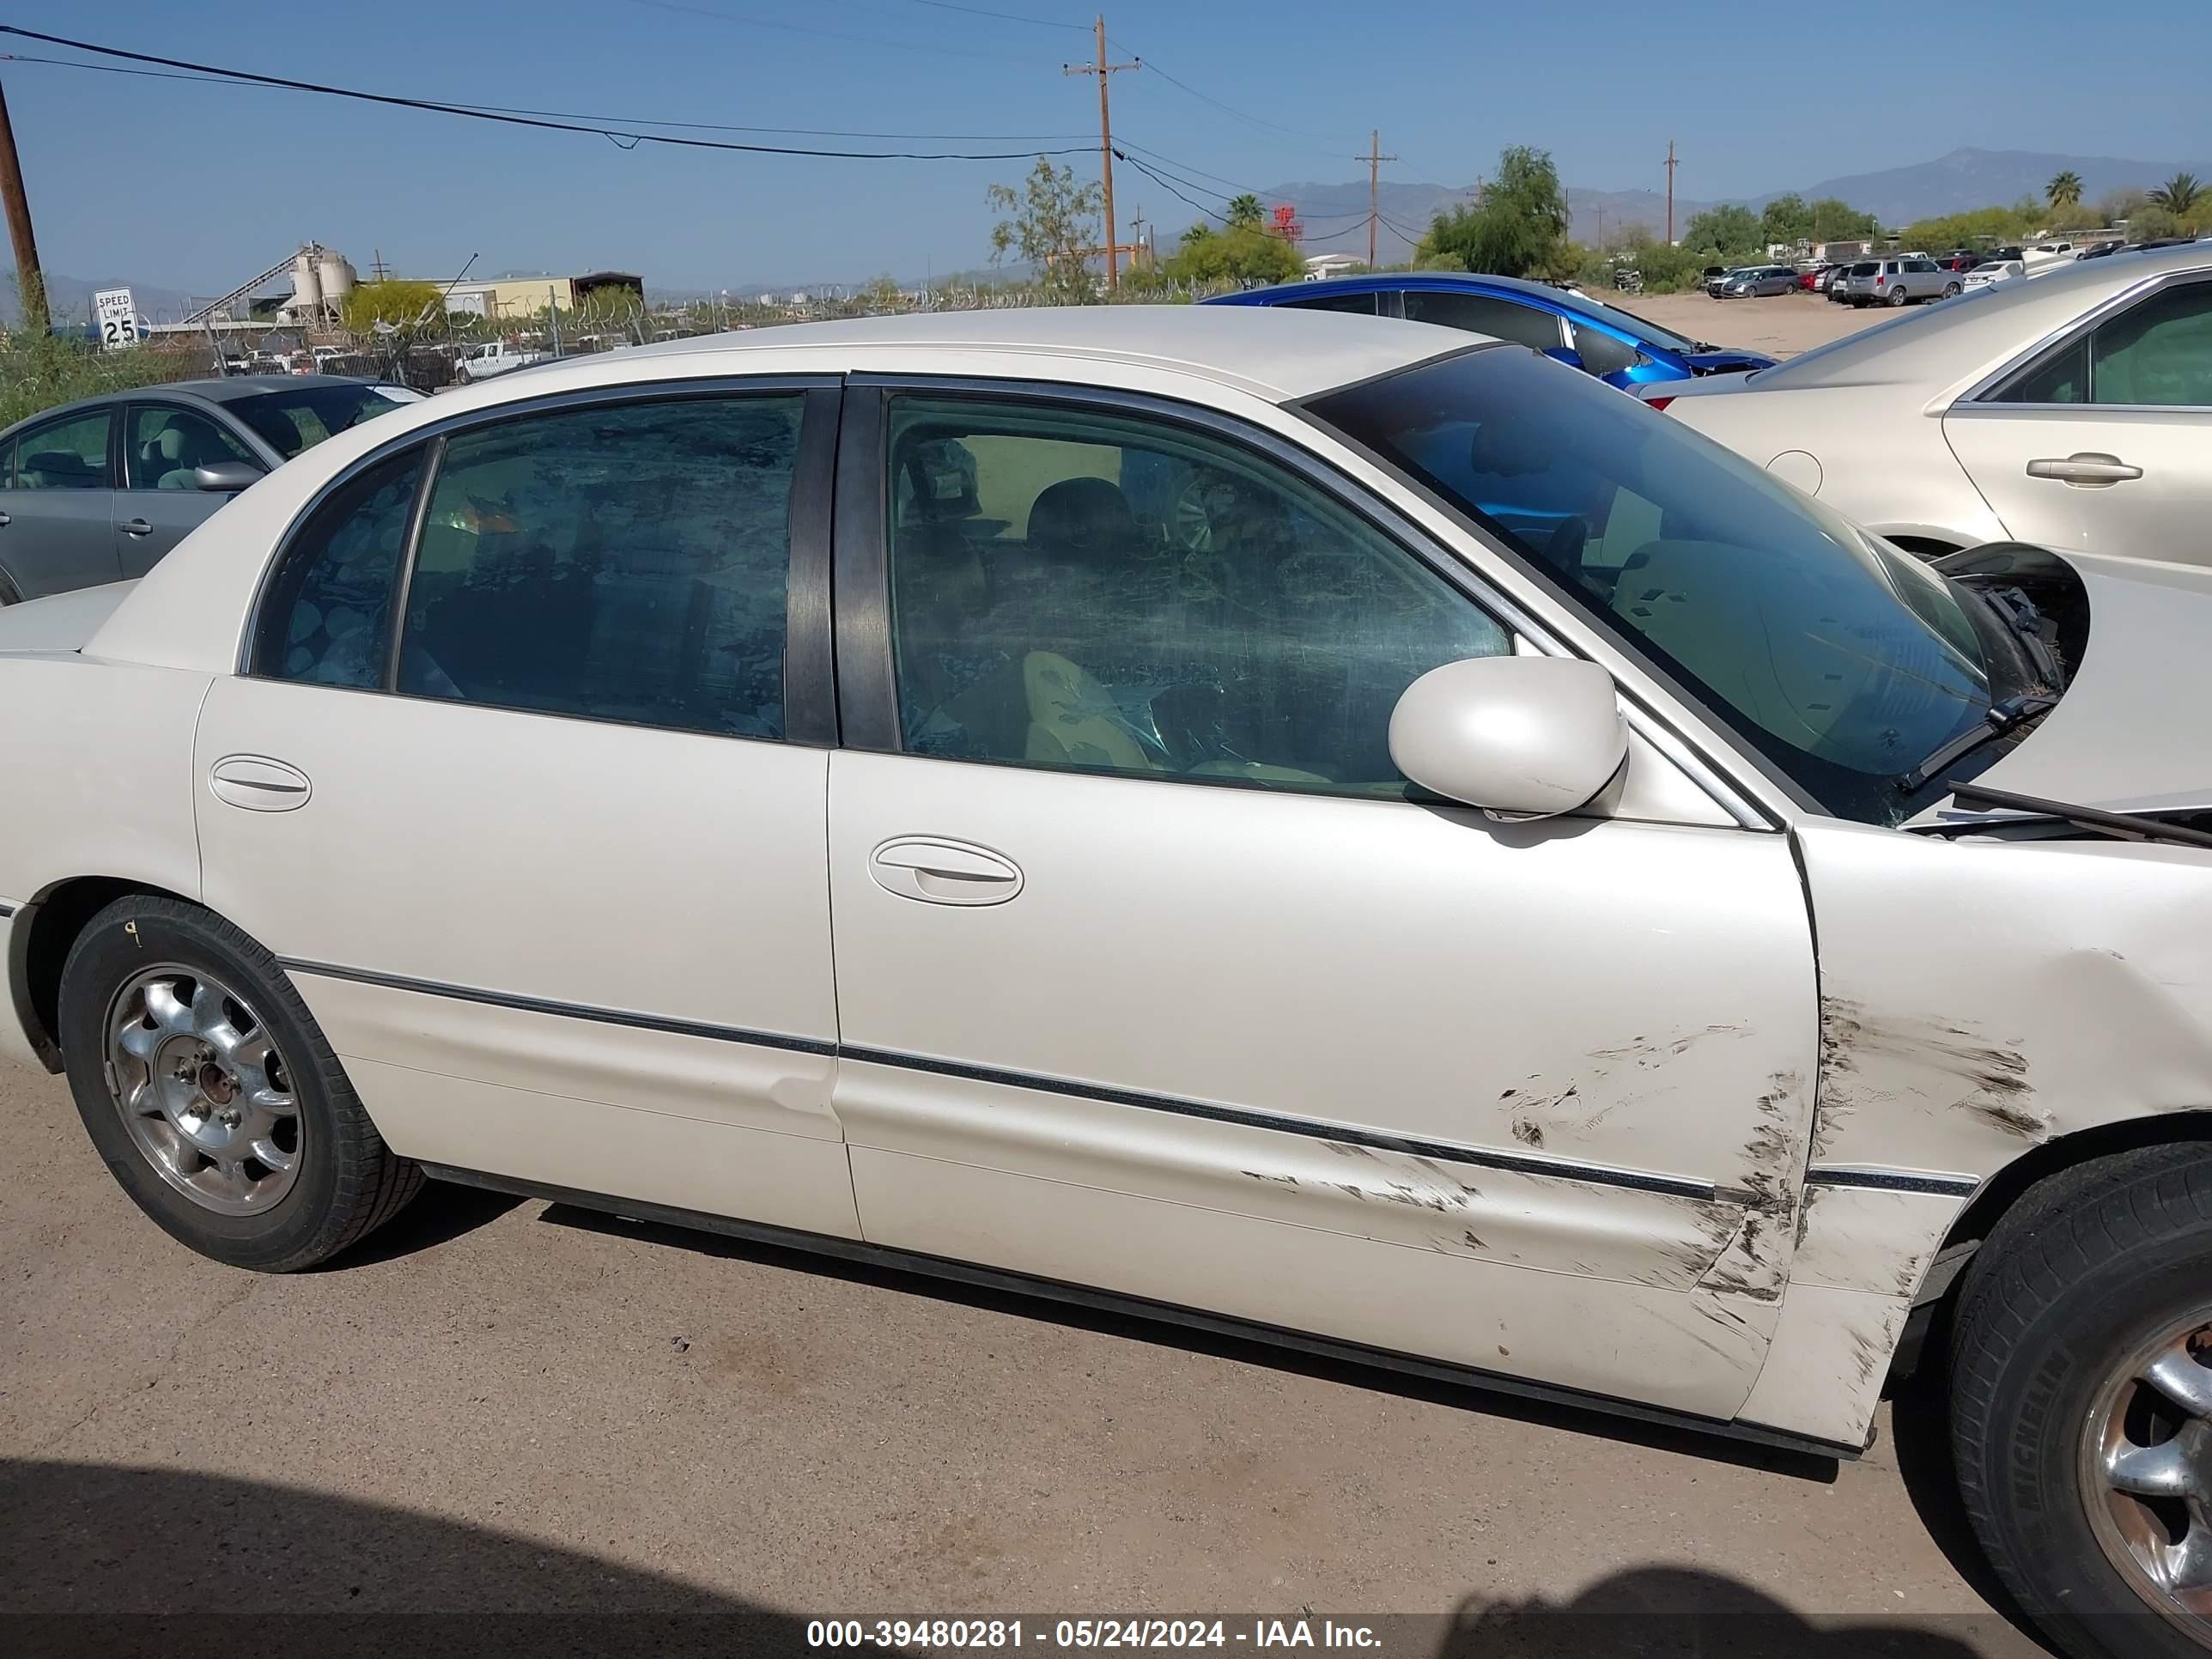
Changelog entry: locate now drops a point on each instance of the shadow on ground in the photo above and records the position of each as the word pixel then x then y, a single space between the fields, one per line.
pixel 119 1563
pixel 1679 1612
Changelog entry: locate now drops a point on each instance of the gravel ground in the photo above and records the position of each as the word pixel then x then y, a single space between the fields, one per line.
pixel 1781 325
pixel 502 1407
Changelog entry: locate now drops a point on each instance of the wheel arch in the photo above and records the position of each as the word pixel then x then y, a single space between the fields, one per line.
pixel 40 943
pixel 2005 1189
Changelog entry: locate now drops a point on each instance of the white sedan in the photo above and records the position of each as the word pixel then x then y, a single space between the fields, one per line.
pixel 1286 821
pixel 2074 410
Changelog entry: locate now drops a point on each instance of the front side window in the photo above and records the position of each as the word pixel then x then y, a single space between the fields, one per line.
pixel 1484 313
pixel 621 562
pixel 165 444
pixel 326 618
pixel 69 454
pixel 294 420
pixel 1602 354
pixel 1844 662
pixel 1094 592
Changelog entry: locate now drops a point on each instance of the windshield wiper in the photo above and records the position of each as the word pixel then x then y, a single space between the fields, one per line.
pixel 2129 825
pixel 2002 719
pixel 2017 612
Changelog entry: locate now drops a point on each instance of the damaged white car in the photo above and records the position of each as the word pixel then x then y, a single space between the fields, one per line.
pixel 1286 820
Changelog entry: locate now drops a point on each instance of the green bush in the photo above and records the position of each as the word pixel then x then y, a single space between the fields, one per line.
pixel 38 372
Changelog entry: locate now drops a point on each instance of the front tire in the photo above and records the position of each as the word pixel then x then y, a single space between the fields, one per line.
pixel 212 1096
pixel 2082 1404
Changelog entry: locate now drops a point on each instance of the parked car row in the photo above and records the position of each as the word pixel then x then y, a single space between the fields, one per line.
pixel 1681 943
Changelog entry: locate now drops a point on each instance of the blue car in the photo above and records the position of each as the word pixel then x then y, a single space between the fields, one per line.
pixel 1621 350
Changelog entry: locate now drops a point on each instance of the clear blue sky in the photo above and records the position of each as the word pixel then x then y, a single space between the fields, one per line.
pixel 196 187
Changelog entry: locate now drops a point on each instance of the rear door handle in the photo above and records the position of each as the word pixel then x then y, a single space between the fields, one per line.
pixel 2090 468
pixel 940 872
pixel 135 527
pixel 258 784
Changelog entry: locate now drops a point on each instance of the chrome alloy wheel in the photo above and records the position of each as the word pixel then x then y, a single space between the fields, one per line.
pixel 202 1091
pixel 2147 1473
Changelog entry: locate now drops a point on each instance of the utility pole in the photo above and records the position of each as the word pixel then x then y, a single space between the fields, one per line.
pixel 1671 165
pixel 28 278
pixel 1101 68
pixel 1374 158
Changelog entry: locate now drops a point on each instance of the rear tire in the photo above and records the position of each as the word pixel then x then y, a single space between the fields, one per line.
pixel 2082 1404
pixel 1952 290
pixel 213 1097
pixel 1898 296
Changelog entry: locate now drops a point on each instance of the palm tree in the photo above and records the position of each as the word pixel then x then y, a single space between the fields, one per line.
pixel 1244 210
pixel 2178 195
pixel 2064 190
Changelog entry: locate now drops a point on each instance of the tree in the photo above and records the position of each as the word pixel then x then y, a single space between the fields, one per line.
pixel 1055 227
pixel 1518 229
pixel 1837 221
pixel 402 304
pixel 2151 220
pixel 1727 232
pixel 882 295
pixel 2064 190
pixel 1237 253
pixel 1786 219
pixel 1245 211
pixel 2180 196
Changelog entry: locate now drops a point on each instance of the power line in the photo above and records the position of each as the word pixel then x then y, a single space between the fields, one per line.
pixel 1003 16
pixel 571 115
pixel 1170 188
pixel 1226 109
pixel 627 139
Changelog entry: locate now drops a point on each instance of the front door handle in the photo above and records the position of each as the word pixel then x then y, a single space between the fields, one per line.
pixel 135 527
pixel 4 521
pixel 258 784
pixel 940 872
pixel 2089 468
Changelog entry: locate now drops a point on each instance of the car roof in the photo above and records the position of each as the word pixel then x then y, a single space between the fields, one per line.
pixel 1937 346
pixel 1281 357
pixel 1392 282
pixel 212 391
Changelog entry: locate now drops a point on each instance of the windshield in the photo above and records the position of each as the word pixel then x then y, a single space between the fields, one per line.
pixel 291 420
pixel 1842 661
pixel 1629 323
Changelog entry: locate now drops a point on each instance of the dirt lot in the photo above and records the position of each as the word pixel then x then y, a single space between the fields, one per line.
pixel 1781 324
pixel 512 1407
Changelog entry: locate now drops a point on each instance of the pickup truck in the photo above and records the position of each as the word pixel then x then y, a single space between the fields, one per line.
pixel 496 357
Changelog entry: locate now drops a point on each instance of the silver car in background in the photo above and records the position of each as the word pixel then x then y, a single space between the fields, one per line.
pixel 1758 282
pixel 2074 410
pixel 1900 282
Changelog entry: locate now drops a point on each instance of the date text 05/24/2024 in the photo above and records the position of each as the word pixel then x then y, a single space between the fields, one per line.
pixel 1072 1633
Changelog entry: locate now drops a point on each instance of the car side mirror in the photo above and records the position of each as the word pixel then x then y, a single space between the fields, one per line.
pixel 1519 737
pixel 226 477
pixel 1567 354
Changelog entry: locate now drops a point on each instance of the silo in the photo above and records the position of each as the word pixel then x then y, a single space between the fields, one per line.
pixel 307 284
pixel 336 276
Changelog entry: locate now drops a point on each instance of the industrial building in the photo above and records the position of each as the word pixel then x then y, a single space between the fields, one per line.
pixel 522 297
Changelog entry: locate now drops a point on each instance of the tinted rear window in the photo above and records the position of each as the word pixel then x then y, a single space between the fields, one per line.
pixel 1867 267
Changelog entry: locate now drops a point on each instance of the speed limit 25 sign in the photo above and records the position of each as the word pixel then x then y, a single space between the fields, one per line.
pixel 118 318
